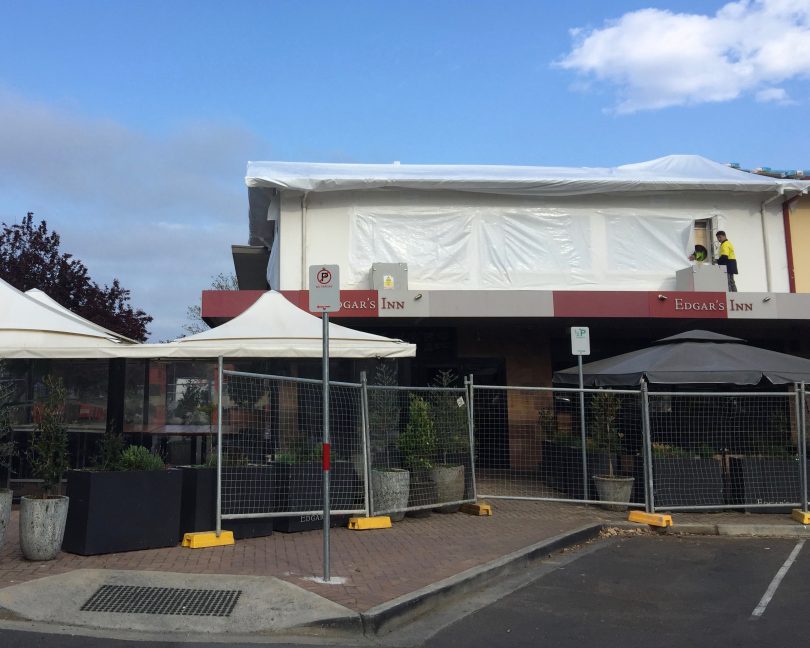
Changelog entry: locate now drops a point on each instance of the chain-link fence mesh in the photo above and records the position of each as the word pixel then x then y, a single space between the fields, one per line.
pixel 529 444
pixel 419 448
pixel 438 447
pixel 722 450
pixel 272 434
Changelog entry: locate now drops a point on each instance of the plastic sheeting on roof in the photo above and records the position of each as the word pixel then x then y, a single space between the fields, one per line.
pixel 671 173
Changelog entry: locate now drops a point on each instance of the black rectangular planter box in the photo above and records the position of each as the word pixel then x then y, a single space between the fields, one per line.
pixel 198 510
pixel 300 488
pixel 687 481
pixel 562 467
pixel 111 512
pixel 764 480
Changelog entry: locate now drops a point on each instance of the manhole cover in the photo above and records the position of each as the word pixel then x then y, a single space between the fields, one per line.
pixel 128 599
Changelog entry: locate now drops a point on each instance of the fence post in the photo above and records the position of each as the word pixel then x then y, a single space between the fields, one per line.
pixel 649 498
pixel 468 383
pixel 802 441
pixel 366 440
pixel 220 376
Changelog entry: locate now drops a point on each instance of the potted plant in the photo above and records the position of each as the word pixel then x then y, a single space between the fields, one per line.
pixel 129 501
pixel 7 452
pixel 449 411
pixel 417 443
pixel 390 483
pixel 42 519
pixel 611 487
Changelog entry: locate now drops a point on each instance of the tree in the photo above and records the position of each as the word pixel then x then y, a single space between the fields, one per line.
pixel 196 324
pixel 30 258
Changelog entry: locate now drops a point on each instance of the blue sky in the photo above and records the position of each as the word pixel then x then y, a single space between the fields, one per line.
pixel 127 125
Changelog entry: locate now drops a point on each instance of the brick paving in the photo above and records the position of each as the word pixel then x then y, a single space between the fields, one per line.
pixel 378 565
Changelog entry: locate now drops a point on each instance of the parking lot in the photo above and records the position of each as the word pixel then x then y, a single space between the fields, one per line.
pixel 653 591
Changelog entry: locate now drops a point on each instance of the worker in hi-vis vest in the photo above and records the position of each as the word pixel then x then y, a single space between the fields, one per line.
pixel 726 257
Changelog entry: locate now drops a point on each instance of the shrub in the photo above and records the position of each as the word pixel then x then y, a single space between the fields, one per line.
pixel 418 442
pixel 140 458
pixel 48 452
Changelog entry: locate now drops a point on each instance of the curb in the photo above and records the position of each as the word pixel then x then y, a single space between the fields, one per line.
pixel 744 530
pixel 386 617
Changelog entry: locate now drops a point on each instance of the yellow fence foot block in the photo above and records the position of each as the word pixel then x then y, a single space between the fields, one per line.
pixel 479 508
pixel 203 539
pixel 801 516
pixel 364 524
pixel 652 519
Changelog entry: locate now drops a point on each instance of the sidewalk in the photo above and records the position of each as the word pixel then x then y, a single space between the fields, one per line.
pixel 372 571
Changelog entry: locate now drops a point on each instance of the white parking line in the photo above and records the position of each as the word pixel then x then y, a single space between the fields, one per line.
pixel 759 610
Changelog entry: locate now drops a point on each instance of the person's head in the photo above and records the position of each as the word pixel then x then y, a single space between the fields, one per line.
pixel 721 236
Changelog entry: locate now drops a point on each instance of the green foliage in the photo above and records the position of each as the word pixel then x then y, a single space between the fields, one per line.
pixel 7 447
pixel 140 458
pixel 48 452
pixel 418 442
pixel 109 452
pixel 451 423
pixel 383 412
pixel 604 412
pixel 301 452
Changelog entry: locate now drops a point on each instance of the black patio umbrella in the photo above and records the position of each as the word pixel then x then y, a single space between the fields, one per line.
pixel 694 357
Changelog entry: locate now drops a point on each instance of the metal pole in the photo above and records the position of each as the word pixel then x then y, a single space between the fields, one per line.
pixel 219 448
pixel 582 430
pixel 366 441
pixel 471 425
pixel 649 498
pixel 326 447
pixel 802 422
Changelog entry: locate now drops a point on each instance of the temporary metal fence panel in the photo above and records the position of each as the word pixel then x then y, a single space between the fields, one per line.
pixel 722 450
pixel 529 444
pixel 271 447
pixel 419 448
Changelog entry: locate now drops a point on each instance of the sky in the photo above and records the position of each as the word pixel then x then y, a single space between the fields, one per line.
pixel 127 125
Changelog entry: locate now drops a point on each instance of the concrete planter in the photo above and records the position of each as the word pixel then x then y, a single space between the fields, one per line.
pixel 449 481
pixel 5 512
pixel 614 489
pixel 390 489
pixel 42 526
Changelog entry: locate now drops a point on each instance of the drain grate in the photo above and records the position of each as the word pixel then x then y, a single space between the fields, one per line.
pixel 127 599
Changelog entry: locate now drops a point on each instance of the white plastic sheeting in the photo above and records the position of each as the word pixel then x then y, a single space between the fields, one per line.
pixel 671 173
pixel 494 247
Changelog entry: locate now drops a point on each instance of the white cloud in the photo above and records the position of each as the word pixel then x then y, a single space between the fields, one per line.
pixel 773 95
pixel 656 59
pixel 158 213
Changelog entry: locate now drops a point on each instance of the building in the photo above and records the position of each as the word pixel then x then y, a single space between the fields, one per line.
pixel 486 268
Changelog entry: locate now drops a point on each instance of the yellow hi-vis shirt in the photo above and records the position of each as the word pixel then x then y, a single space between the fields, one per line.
pixel 727 249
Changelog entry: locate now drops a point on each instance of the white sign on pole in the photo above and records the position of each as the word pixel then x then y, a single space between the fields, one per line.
pixel 580 341
pixel 324 288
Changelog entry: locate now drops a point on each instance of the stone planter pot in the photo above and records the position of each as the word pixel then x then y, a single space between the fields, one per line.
pixel 614 489
pixel 449 481
pixel 5 512
pixel 390 489
pixel 42 526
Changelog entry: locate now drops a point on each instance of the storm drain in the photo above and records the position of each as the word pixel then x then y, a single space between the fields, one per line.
pixel 127 599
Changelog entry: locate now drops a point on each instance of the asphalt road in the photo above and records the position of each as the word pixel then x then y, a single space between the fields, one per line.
pixel 635 591
pixel 653 591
